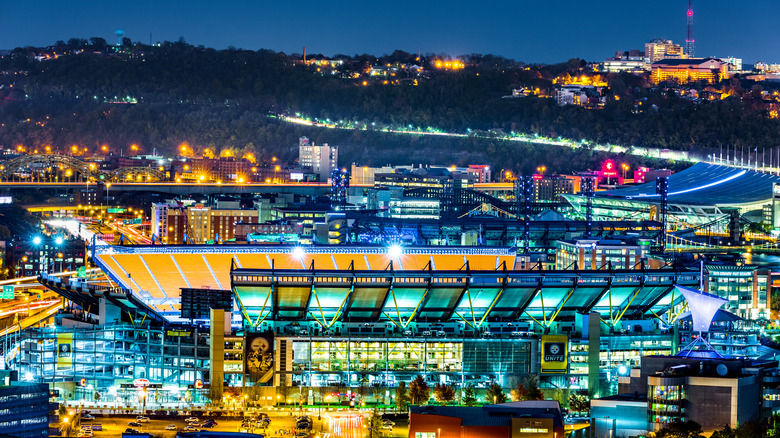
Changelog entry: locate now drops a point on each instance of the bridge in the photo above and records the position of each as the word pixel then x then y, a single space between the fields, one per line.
pixel 174 188
pixel 55 167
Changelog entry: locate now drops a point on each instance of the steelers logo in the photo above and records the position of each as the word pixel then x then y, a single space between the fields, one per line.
pixel 555 349
pixel 260 344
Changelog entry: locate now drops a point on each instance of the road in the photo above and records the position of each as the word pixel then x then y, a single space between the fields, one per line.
pixel 281 425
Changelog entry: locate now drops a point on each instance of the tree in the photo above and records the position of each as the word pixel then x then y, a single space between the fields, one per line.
pixel 468 396
pixel 97 43
pixel 519 393
pixel 679 429
pixel 443 393
pixel 419 391
pixel 495 394
pixel 401 397
pixel 579 402
pixel 375 425
pixel 534 393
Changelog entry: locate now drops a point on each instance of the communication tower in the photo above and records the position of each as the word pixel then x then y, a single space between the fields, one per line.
pixel 689 41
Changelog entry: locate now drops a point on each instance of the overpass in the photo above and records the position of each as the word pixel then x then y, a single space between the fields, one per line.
pixel 173 188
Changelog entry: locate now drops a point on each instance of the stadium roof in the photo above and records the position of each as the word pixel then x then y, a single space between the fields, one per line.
pixel 706 184
pixel 468 296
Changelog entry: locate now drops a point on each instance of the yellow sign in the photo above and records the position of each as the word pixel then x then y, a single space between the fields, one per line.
pixel 555 354
pixel 64 351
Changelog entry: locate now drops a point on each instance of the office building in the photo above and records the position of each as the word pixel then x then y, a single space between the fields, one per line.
pixel 595 254
pixel 697 385
pixel 632 61
pixel 683 71
pixel 45 253
pixel 198 222
pixel 24 407
pixel 745 288
pixel 430 177
pixel 735 64
pixel 658 49
pixel 321 160
pixel 549 188
pixel 481 171
pixel 364 175
pixel 224 169
pixel 414 208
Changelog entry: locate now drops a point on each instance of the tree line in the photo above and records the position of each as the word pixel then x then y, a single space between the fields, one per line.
pixel 222 98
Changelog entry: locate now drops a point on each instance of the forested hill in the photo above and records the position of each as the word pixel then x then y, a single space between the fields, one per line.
pixel 160 97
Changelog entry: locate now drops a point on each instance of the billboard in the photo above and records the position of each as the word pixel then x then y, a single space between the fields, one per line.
pixel 259 356
pixel 555 354
pixel 64 351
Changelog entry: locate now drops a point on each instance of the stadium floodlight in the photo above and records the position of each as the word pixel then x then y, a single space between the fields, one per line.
pixel 37 240
pixel 622 370
pixel 59 240
pixel 395 251
pixel 703 307
pixel 28 376
pixel 298 252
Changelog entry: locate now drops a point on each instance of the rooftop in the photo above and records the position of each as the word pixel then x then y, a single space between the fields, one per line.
pixel 706 184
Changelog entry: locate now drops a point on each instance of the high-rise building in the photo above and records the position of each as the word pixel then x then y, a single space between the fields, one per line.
pixel 201 224
pixel 658 49
pixel 735 64
pixel 322 160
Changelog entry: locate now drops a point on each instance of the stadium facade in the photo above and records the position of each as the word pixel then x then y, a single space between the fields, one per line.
pixel 361 317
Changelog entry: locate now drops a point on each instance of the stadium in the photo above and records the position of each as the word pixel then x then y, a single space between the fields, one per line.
pixel 698 195
pixel 363 317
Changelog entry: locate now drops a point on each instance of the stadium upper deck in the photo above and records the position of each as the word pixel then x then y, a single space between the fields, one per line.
pixel 155 275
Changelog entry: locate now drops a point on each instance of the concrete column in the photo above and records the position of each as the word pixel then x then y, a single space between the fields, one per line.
pixel 109 313
pixel 217 354
pixel 594 347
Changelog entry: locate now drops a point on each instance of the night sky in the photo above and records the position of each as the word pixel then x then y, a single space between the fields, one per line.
pixel 525 30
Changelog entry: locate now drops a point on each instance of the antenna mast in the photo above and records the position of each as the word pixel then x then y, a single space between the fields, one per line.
pixel 689 41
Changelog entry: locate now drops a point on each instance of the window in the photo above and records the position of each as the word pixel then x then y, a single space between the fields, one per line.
pixel 425 435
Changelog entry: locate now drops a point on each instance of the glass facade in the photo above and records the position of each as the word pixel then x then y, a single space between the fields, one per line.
pixel 384 362
pixel 108 355
pixel 666 403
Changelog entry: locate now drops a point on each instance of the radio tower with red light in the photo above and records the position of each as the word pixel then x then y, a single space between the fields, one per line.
pixel 689 42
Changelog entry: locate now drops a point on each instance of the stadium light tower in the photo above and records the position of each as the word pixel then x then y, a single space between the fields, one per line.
pixel 394 251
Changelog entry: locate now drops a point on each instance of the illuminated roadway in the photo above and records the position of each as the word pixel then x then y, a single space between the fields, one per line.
pixel 183 188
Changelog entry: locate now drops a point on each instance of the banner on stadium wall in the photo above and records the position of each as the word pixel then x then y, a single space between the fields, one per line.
pixel 64 351
pixel 259 356
pixel 555 354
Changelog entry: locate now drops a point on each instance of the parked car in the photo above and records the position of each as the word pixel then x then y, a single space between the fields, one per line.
pixel 134 424
pixel 142 419
pixel 170 427
pixel 192 420
pixel 87 417
pixel 190 428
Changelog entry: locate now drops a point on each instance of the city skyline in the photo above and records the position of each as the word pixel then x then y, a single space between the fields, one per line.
pixel 536 34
